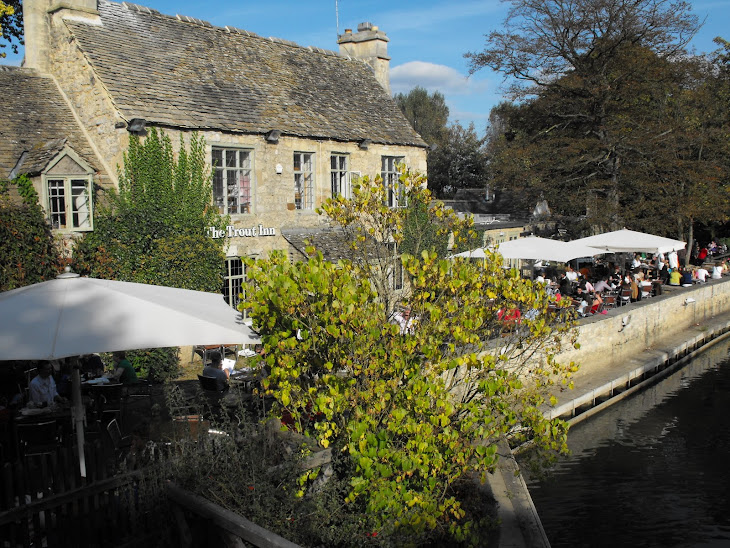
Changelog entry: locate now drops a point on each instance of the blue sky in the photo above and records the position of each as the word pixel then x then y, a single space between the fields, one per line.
pixel 428 38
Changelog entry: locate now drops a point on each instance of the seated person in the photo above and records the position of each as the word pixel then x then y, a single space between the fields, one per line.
pixel 43 388
pixel 701 274
pixel 123 370
pixel 675 277
pixel 584 300
pixel 571 274
pixel 215 369
pixel 686 278
pixel 92 365
pixel 717 272
pixel 602 285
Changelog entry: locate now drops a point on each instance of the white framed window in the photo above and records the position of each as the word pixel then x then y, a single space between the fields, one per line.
pixel 69 202
pixel 304 180
pixel 339 176
pixel 232 184
pixel 389 173
pixel 234 281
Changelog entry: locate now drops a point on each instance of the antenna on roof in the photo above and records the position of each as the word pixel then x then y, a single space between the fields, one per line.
pixel 337 19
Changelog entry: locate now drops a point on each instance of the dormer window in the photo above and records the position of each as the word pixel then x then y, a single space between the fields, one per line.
pixel 67 189
pixel 69 203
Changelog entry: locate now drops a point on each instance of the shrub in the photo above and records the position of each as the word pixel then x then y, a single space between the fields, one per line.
pixel 28 251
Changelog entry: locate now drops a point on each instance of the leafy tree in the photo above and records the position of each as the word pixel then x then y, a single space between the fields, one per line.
pixel 11 24
pixel 154 230
pixel 610 125
pixel 457 156
pixel 460 162
pixel 427 113
pixel 26 242
pixel 408 413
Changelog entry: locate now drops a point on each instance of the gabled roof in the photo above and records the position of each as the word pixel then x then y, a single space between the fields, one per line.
pixel 183 72
pixel 35 123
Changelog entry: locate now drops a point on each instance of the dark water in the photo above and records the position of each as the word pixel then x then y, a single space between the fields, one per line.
pixel 653 470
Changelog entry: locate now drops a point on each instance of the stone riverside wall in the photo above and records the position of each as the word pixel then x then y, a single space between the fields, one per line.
pixel 605 340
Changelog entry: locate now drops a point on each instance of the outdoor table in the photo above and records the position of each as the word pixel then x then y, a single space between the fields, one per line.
pixel 62 414
pixel 244 379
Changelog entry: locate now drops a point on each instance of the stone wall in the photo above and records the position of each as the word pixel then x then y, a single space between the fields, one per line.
pixel 628 331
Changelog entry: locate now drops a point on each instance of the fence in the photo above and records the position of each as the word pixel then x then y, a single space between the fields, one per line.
pixel 45 502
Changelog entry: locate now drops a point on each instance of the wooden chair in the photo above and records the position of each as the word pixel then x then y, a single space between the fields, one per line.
pixel 610 300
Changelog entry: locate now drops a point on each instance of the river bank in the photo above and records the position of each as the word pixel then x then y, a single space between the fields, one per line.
pixel 620 353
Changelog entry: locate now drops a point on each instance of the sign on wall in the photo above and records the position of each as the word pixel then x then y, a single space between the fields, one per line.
pixel 232 232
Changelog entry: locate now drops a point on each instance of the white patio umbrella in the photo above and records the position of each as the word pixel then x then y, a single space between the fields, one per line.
pixel 536 248
pixel 477 253
pixel 626 241
pixel 71 316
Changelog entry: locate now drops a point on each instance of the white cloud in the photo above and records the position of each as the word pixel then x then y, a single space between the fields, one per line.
pixel 433 77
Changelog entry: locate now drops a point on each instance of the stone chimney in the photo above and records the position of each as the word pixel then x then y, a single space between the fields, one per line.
pixel 368 44
pixel 39 19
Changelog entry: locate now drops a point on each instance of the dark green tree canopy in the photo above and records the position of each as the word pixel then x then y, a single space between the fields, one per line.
pixel 427 113
pixel 615 125
pixel 460 162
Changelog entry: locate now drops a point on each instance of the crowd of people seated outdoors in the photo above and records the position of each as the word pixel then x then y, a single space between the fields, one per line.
pixel 643 276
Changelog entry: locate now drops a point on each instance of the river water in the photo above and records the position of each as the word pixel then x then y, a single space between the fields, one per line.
pixel 650 471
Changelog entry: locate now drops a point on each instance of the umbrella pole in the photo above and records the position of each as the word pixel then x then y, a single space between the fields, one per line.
pixel 78 415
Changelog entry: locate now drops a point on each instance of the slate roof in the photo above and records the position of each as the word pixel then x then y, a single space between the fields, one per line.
pixel 330 241
pixel 183 72
pixel 35 120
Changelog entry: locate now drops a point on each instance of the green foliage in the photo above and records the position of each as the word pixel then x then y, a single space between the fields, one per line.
pixel 460 161
pixel 11 24
pixel 420 232
pixel 26 243
pixel 155 230
pixel 616 122
pixel 411 413
pixel 457 156
pixel 156 364
pixel 427 113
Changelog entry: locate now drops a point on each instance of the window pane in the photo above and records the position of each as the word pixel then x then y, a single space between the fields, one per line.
pixel 80 203
pixel 232 184
pixel 234 285
pixel 57 203
pixel 217 157
pixel 219 195
pixel 303 181
pixel 232 190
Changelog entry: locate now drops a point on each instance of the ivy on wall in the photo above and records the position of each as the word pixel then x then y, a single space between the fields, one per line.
pixel 154 230
pixel 29 254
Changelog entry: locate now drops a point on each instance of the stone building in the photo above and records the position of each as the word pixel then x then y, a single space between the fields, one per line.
pixel 286 126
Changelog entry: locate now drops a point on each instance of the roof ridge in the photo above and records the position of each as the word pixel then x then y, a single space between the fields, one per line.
pixel 231 30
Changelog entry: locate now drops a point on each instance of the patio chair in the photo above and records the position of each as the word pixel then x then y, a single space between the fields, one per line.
pixel 38 438
pixel 625 296
pixel 610 300
pixel 209 384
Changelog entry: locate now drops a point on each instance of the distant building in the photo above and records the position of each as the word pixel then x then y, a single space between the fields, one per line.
pixel 286 126
pixel 499 216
